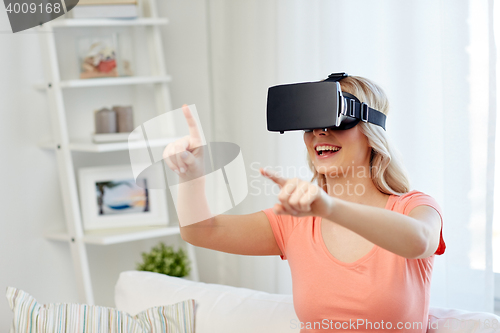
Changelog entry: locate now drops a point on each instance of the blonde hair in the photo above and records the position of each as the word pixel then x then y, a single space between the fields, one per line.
pixel 386 171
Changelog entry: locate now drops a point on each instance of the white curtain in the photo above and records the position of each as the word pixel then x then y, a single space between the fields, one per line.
pixel 432 59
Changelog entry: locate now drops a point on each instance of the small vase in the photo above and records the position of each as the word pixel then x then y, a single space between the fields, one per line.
pixel 105 121
pixel 124 118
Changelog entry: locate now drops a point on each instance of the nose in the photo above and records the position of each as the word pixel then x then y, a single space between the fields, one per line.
pixel 320 132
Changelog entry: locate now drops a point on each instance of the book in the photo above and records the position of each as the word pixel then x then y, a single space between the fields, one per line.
pixel 106 2
pixel 105 11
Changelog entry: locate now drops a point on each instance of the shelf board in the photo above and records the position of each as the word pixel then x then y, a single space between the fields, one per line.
pixel 69 23
pixel 90 147
pixel 115 236
pixel 108 81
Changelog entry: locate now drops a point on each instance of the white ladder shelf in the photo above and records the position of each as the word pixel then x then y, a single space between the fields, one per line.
pixel 54 87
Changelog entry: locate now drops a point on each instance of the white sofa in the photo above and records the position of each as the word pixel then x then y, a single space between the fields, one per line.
pixel 226 309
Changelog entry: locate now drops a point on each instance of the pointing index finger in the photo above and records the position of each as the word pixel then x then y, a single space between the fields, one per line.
pixel 273 176
pixel 193 127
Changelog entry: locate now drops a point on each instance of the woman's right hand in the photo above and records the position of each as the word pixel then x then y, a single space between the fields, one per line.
pixel 185 156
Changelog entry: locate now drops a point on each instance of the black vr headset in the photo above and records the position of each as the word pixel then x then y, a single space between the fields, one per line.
pixel 311 105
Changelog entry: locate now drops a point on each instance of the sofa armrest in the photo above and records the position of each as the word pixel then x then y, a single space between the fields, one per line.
pixel 442 320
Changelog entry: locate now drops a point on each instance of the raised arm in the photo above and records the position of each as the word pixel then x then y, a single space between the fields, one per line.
pixel 238 234
pixel 413 236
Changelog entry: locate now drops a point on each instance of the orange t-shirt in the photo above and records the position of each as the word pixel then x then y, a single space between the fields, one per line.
pixel 378 290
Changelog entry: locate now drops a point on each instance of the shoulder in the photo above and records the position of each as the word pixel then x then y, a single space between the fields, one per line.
pixel 283 226
pixel 408 201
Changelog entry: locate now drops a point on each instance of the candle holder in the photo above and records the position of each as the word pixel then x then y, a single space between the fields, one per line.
pixel 114 125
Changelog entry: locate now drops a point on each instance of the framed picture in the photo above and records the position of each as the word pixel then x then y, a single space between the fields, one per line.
pixel 106 55
pixel 110 198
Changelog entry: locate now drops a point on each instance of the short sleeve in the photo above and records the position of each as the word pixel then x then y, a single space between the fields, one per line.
pixel 282 226
pixel 417 198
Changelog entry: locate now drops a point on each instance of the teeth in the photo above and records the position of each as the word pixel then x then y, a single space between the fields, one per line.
pixel 321 148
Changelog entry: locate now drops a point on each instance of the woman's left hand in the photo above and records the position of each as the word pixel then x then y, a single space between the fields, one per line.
pixel 299 198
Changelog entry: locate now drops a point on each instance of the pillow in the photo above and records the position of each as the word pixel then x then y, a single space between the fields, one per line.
pixel 29 316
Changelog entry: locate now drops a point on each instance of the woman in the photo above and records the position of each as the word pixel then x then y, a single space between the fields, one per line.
pixel 360 244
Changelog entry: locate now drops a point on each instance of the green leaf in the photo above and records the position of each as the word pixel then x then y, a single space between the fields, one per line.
pixel 165 260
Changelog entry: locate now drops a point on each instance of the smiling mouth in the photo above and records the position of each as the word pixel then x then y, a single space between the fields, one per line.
pixel 326 150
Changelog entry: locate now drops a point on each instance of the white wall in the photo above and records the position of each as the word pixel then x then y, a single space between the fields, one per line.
pixel 31 202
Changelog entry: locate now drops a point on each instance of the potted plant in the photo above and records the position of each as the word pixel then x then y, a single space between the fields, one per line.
pixel 164 260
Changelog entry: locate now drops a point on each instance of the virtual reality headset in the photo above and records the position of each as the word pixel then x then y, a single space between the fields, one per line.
pixel 311 105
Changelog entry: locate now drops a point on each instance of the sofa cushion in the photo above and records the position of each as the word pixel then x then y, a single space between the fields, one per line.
pixel 218 308
pixel 30 316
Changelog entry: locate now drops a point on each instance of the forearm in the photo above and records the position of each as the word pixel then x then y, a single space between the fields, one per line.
pixel 194 213
pixel 395 232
